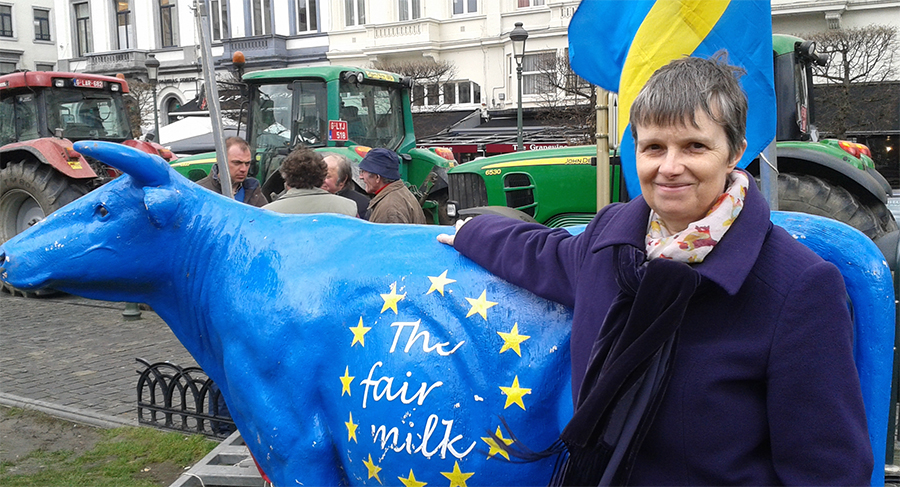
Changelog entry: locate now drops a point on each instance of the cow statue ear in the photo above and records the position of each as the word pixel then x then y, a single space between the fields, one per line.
pixel 160 204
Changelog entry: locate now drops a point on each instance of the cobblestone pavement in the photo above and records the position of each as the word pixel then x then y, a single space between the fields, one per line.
pixel 75 357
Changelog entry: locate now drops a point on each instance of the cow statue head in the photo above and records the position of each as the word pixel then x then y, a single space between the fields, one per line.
pixel 89 240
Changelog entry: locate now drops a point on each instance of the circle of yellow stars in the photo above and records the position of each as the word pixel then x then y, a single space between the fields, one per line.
pixel 512 340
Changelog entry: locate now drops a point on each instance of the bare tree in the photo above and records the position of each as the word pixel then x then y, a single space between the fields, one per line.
pixel 857 56
pixel 140 105
pixel 430 79
pixel 567 100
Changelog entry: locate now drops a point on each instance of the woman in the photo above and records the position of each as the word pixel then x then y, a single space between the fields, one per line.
pixel 708 347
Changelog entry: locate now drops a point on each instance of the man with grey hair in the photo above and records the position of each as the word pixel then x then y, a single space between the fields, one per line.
pixel 303 171
pixel 339 181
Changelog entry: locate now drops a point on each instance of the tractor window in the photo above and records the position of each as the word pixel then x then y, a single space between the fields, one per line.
pixel 7 130
pixel 88 115
pixel 311 100
pixel 374 114
pixel 26 117
pixel 271 117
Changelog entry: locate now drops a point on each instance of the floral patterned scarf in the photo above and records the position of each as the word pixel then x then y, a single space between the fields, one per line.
pixel 692 244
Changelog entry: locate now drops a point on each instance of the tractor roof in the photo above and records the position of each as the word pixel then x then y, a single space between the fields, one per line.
pixel 48 79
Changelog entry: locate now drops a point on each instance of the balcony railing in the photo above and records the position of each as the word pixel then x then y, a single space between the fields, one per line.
pixel 270 47
pixel 400 30
pixel 116 62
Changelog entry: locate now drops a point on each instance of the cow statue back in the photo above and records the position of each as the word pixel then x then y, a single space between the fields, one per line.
pixel 349 353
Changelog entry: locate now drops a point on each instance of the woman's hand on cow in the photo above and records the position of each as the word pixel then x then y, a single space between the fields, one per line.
pixel 449 239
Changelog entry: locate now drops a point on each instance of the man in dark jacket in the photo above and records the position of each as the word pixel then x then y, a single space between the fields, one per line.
pixel 339 181
pixel 392 201
pixel 246 190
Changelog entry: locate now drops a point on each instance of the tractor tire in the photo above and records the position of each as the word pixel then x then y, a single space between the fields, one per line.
pixel 31 191
pixel 813 195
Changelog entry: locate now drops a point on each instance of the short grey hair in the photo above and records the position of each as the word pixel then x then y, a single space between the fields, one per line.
pixel 344 170
pixel 675 92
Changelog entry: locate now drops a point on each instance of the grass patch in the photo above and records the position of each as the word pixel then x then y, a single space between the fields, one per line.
pixel 129 456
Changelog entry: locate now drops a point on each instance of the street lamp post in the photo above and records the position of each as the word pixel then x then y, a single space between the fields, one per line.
pixel 152 65
pixel 518 37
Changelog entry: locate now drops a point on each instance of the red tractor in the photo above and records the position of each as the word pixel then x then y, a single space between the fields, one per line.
pixel 42 113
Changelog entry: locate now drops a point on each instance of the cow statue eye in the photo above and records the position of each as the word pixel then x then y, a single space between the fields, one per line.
pixel 102 211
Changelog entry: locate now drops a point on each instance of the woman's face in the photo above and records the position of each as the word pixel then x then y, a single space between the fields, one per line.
pixel 682 168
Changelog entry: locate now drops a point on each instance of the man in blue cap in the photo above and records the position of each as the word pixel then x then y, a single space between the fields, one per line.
pixel 392 201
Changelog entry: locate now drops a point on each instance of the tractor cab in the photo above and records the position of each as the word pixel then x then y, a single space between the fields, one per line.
pixel 46 104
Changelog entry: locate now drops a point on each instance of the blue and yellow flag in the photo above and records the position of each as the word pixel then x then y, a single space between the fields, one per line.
pixel 618 44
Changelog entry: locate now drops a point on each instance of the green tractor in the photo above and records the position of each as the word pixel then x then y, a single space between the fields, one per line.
pixel 831 178
pixel 337 109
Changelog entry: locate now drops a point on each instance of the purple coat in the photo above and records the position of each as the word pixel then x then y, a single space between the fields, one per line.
pixel 764 390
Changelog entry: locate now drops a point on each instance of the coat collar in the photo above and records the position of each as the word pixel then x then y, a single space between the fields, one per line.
pixel 390 188
pixel 728 265
pixel 294 192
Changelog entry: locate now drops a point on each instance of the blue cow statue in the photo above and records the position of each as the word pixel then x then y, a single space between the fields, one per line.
pixel 348 353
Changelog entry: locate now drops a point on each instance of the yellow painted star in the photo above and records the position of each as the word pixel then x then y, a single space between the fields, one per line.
pixel 391 299
pixel 359 333
pixel 512 340
pixel 346 380
pixel 372 468
pixel 438 283
pixel 480 305
pixel 495 448
pixel 514 393
pixel 351 430
pixel 457 478
pixel 411 480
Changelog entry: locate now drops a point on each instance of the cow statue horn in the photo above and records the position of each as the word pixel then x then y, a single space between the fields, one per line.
pixel 145 169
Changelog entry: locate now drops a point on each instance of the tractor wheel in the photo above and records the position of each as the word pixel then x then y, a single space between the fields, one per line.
pixel 30 191
pixel 809 194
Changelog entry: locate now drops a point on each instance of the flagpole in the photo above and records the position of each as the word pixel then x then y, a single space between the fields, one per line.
pixel 768 175
pixel 602 135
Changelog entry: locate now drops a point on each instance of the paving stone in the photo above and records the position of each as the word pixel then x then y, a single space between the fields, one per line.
pixel 80 353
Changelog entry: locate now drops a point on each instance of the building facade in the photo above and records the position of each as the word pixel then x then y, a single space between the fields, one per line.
pixel 27 35
pixel 472 36
pixel 116 36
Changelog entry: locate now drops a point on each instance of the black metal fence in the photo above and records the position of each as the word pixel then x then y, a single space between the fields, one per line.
pixel 181 399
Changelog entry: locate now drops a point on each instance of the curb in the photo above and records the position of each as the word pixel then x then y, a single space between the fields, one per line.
pixel 64 412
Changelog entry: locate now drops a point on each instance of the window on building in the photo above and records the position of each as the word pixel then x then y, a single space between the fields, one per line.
pixel 262 17
pixel 306 16
pixel 465 6
pixel 434 95
pixel 530 3
pixel 418 98
pixel 167 23
pixel 534 72
pixel 449 93
pixel 465 92
pixel 82 28
pixel 219 19
pixel 43 67
pixel 355 12
pixel 7 67
pixel 6 22
pixel 171 105
pixel 124 25
pixel 410 9
pixel 41 24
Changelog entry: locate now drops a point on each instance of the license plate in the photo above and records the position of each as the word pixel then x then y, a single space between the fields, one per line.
pixel 88 83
